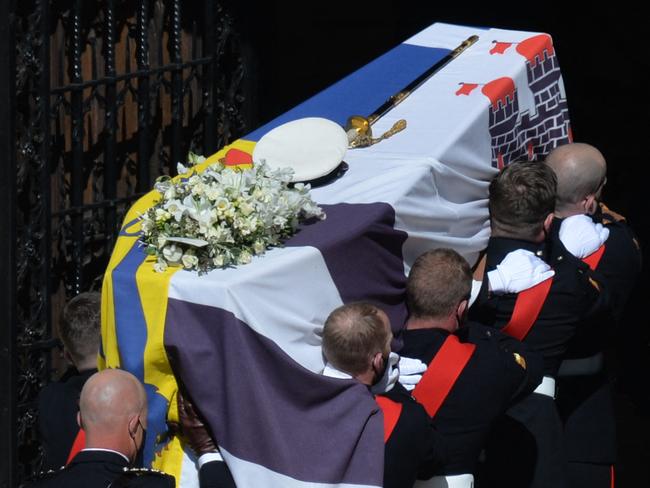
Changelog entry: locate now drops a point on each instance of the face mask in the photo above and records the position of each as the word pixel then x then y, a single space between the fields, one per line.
pixel 389 376
pixel 138 461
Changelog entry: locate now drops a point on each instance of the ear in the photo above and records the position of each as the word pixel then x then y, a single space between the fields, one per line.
pixel 67 356
pixel 590 204
pixel 548 221
pixel 79 422
pixel 377 362
pixel 462 308
pixel 133 426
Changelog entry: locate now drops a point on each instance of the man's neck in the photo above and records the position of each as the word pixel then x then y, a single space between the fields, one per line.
pixel 450 324
pixel 121 446
pixel 86 364
pixel 334 372
pixel 366 378
pixel 104 449
pixel 566 214
pixel 504 235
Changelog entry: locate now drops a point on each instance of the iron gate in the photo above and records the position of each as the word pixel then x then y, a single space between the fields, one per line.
pixel 99 99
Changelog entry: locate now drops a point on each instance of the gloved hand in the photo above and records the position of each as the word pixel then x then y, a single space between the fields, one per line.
pixel 192 427
pixel 391 375
pixel 609 214
pixel 518 271
pixel 410 372
pixel 581 236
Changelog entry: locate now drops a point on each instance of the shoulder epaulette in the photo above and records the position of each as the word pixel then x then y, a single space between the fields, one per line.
pixel 49 472
pixel 131 475
pixel 142 471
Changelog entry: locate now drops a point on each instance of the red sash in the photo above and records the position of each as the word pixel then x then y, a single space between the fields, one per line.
pixel 527 307
pixel 78 444
pixel 442 373
pixel 594 258
pixel 391 410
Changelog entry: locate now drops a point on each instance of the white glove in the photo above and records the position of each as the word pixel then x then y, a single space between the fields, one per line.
pixel 581 236
pixel 410 372
pixel 518 271
pixel 391 376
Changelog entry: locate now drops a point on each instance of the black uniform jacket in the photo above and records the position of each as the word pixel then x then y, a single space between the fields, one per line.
pixel 577 300
pixel 101 469
pixel 415 450
pixel 492 379
pixel 620 264
pixel 58 404
pixel 215 474
pixel 585 402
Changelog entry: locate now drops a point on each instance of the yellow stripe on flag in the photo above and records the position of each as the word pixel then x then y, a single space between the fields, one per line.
pixel 153 290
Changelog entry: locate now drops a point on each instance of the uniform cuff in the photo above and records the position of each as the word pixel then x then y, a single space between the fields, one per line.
pixel 209 457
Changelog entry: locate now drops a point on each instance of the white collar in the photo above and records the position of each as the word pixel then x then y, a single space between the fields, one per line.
pixel 106 450
pixel 384 385
pixel 331 372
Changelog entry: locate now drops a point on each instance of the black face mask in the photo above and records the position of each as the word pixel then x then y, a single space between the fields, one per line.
pixel 382 372
pixel 138 461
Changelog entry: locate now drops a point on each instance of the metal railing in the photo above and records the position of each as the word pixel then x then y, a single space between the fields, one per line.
pixel 101 98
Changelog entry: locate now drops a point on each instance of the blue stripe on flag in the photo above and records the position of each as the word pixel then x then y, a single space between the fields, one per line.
pixel 130 325
pixel 364 90
pixel 131 331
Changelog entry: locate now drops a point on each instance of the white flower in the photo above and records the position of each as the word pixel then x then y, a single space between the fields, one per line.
pixel 222 204
pixel 190 260
pixel 162 184
pixel 198 189
pixel 176 209
pixel 147 224
pixel 310 209
pixel 230 179
pixel 259 247
pixel 162 215
pixel 203 212
pixel 172 253
pixel 245 226
pixel 195 158
pixel 234 213
pixel 213 192
pixel 280 221
pixel 160 266
pixel 246 208
pixel 244 257
pixel 170 193
pixel 181 169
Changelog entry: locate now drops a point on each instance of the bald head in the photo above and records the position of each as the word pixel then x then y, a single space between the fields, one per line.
pixel 580 170
pixel 112 403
